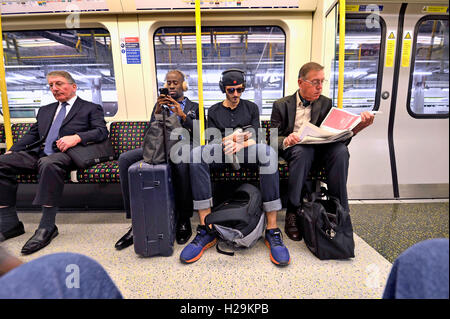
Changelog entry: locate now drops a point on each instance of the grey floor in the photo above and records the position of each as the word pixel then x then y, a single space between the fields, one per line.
pixel 382 231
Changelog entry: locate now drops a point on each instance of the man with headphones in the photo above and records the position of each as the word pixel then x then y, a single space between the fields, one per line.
pixel 235 123
pixel 187 112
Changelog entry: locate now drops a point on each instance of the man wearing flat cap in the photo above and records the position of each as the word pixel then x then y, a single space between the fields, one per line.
pixel 236 122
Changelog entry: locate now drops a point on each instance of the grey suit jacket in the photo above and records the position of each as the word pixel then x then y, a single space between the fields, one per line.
pixel 285 109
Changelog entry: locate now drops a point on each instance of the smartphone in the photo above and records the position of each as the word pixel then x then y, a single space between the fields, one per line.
pixel 164 91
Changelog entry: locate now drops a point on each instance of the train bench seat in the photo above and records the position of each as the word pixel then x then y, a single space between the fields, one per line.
pixel 128 135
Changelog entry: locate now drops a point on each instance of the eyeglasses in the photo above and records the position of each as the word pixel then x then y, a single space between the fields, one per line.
pixel 231 90
pixel 316 82
pixel 57 84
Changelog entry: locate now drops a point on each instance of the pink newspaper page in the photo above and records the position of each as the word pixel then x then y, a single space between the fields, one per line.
pixel 339 120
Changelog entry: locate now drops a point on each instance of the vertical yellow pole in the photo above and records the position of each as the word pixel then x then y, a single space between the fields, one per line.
pixel 5 107
pixel 341 52
pixel 198 36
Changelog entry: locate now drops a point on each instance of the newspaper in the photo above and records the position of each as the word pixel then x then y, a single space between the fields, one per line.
pixel 337 126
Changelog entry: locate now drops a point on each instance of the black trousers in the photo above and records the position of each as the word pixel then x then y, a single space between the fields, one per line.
pixel 181 183
pixel 52 170
pixel 334 157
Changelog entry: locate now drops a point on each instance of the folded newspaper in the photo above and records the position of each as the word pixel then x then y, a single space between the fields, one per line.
pixel 337 126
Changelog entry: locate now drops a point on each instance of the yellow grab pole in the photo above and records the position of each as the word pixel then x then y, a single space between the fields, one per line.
pixel 341 52
pixel 5 107
pixel 198 36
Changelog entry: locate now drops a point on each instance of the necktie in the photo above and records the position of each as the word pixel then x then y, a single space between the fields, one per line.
pixel 53 133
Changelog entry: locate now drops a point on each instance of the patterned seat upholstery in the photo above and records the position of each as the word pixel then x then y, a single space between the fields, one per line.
pixel 125 136
pixel 128 135
pixel 18 131
pixel 102 173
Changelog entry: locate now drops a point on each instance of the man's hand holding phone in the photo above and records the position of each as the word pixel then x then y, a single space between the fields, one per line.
pixel 164 98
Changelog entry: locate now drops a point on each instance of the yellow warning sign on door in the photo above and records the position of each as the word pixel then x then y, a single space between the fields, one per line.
pixel 406 51
pixel 435 9
pixel 390 50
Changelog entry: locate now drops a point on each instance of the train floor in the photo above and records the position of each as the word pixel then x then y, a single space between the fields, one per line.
pixel 383 229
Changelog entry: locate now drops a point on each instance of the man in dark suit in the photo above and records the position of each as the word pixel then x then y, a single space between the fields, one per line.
pixel 288 115
pixel 59 126
pixel 187 112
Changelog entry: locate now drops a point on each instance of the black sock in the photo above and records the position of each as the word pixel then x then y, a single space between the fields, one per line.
pixel 48 217
pixel 8 218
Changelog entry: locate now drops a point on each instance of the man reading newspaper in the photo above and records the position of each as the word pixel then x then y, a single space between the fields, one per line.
pixel 289 114
pixel 336 127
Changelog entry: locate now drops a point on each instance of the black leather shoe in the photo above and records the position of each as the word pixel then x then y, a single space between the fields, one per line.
pixel 125 241
pixel 291 226
pixel 41 238
pixel 13 232
pixel 184 232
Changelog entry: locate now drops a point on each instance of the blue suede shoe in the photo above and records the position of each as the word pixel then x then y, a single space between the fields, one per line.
pixel 279 254
pixel 194 250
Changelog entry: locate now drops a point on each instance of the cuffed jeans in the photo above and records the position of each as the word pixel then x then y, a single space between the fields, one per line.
pixel 212 156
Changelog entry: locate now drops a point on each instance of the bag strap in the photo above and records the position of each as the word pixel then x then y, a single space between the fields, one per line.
pixel 221 251
pixel 165 135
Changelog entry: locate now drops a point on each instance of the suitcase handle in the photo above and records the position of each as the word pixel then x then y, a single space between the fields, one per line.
pixel 150 184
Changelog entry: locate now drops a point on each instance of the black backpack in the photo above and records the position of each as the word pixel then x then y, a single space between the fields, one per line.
pixel 239 221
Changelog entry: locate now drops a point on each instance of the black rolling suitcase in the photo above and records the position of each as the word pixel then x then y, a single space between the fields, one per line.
pixel 151 194
pixel 152 209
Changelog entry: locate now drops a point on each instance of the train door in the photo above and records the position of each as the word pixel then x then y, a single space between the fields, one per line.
pixel 389 159
pixel 421 124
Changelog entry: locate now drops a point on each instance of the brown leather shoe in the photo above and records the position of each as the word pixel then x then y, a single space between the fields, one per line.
pixel 291 227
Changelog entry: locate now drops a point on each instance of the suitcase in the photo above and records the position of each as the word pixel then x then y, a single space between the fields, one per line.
pixel 152 209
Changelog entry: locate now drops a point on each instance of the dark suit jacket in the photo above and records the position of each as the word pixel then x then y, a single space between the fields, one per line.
pixel 192 113
pixel 85 119
pixel 285 109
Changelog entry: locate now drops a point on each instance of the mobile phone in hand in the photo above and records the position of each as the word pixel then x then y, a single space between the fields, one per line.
pixel 164 91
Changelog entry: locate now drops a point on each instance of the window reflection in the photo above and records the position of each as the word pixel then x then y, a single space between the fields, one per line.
pixel 429 87
pixel 258 51
pixel 362 58
pixel 84 53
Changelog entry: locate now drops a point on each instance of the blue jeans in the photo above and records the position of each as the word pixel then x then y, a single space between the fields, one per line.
pixel 59 276
pixel 420 272
pixel 260 155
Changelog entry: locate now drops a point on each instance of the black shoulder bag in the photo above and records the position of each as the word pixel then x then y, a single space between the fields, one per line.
pixel 85 156
pixel 327 228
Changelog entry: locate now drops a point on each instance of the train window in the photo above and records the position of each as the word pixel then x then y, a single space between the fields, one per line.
pixel 362 64
pixel 259 51
pixel 428 91
pixel 84 53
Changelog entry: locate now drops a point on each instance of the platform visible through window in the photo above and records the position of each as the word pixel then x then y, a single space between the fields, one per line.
pixel 258 51
pixel 429 73
pixel 361 66
pixel 84 53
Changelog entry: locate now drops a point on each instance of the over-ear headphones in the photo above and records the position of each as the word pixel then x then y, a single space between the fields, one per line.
pixel 184 85
pixel 222 86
